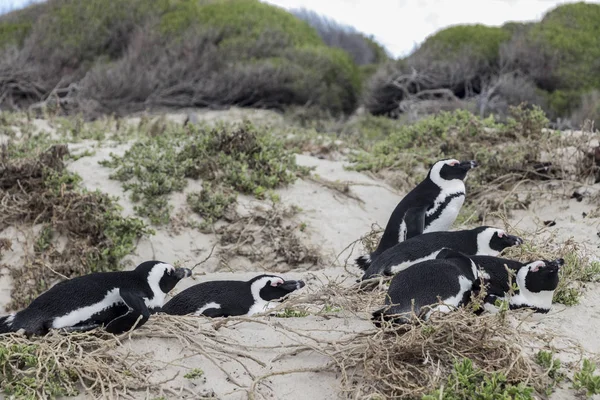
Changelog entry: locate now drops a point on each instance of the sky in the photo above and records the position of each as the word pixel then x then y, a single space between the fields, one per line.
pixel 400 25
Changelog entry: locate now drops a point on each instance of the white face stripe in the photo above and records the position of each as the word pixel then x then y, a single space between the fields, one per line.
pixel 154 277
pixel 483 242
pixel 447 188
pixel 261 305
pixel 542 299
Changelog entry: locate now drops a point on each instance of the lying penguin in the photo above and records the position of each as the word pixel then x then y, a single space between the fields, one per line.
pixel 536 282
pixel 453 277
pixel 431 206
pixel 482 240
pixel 231 298
pixel 114 300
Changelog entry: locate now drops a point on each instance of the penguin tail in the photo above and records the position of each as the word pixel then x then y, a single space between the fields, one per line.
pixel 363 262
pixel 6 324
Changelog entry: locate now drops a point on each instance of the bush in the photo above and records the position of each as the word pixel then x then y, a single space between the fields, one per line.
pixel 482 41
pixel 363 50
pixel 589 110
pixel 137 54
pixel 572 31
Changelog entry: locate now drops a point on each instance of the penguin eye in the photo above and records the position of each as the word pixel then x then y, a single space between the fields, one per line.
pixel 453 163
pixel 500 234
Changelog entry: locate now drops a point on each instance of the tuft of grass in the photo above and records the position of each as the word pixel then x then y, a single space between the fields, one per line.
pixel 291 313
pixel 211 203
pixel 585 379
pixel 194 374
pixel 239 157
pixel 551 366
pixel 469 382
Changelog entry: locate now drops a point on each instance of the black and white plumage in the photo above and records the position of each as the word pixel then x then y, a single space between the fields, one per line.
pixel 484 240
pixel 441 284
pixel 431 206
pixel 114 300
pixel 536 282
pixel 231 298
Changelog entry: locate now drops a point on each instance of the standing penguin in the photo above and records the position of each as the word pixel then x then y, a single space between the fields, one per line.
pixel 482 240
pixel 450 278
pixel 536 282
pixel 431 206
pixel 230 298
pixel 114 300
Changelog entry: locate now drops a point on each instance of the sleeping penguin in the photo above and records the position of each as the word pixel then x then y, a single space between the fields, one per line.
pixel 481 240
pixel 431 206
pixel 536 282
pixel 231 298
pixel 114 300
pixel 451 278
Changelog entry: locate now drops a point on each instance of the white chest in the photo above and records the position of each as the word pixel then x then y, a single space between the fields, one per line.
pixel 447 217
pixel 260 307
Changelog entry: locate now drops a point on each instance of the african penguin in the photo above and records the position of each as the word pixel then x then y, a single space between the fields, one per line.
pixel 431 206
pixel 482 240
pixel 536 282
pixel 114 300
pixel 231 298
pixel 450 278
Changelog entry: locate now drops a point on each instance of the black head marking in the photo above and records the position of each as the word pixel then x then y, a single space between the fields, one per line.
pixel 500 240
pixel 452 169
pixel 272 287
pixel 161 273
pixel 543 275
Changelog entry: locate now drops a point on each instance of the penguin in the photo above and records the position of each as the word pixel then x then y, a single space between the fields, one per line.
pixel 114 300
pixel 441 284
pixel 482 240
pixel 536 282
pixel 231 298
pixel 431 206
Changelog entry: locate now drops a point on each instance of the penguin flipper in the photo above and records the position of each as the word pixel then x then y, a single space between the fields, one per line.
pixel 449 253
pixel 137 308
pixel 214 313
pixel 414 218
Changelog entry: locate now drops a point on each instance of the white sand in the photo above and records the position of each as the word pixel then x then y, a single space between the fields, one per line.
pixel 333 222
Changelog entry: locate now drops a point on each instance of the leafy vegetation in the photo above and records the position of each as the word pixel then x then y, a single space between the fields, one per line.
pixel 585 379
pixel 468 382
pixel 241 158
pixel 40 190
pixel 16 358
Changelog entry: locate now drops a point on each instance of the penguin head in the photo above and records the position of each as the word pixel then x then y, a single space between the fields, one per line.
pixel 540 275
pixel 450 169
pixel 162 276
pixel 497 240
pixel 272 287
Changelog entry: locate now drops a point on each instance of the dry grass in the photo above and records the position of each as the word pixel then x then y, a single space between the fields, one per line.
pixel 269 235
pixel 38 191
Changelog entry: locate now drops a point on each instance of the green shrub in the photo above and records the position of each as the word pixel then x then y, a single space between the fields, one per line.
pixel 239 157
pixel 482 41
pixel 572 31
pixel 469 382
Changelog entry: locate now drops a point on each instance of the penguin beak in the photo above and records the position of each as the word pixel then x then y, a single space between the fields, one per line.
pixel 515 240
pixel 467 165
pixel 181 273
pixel 559 262
pixel 290 286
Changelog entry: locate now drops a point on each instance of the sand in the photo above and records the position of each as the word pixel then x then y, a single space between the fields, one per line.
pixel 333 222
